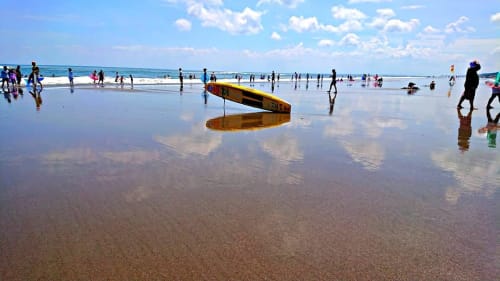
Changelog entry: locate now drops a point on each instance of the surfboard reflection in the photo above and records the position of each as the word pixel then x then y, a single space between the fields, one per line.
pixel 248 121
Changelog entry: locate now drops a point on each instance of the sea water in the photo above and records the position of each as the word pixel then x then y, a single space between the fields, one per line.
pixel 58 75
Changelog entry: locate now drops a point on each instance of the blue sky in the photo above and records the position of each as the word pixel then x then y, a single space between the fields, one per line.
pixel 420 37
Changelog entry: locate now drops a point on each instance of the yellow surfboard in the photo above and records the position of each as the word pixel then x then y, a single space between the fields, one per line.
pixel 248 121
pixel 248 96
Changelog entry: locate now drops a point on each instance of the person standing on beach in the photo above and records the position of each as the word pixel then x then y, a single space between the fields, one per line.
pixel 117 77
pixel 19 75
pixel 204 76
pixel 470 85
pixel 334 81
pixel 35 73
pixel 131 81
pixel 181 78
pixel 70 77
pixel 5 78
pixel 101 78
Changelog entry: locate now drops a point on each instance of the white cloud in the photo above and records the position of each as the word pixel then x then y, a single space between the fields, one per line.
pixel 339 12
pixel 288 3
pixel 495 17
pixel 457 26
pixel 350 39
pixel 380 21
pixel 367 1
pixel 412 7
pixel 326 43
pixel 396 25
pixel 183 24
pixel 386 13
pixel 246 22
pixel 275 36
pixel 430 29
pixel 301 24
pixel 350 25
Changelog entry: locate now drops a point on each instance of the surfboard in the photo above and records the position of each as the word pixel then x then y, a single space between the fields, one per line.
pixel 248 96
pixel 248 121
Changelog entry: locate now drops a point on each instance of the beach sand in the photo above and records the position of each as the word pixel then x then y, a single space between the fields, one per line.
pixel 121 184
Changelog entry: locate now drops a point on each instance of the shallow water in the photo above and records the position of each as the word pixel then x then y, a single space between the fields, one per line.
pixel 136 184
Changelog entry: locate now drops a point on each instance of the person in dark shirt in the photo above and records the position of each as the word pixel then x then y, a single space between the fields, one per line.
pixel 470 85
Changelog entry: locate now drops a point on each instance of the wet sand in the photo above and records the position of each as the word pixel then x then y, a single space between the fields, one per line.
pixel 112 184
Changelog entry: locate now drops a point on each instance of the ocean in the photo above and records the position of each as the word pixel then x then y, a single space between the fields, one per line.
pixel 57 74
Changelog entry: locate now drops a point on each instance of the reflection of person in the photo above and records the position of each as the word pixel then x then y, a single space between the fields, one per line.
pixel 470 85
pixel 465 130
pixel 37 96
pixel 334 81
pixel 491 129
pixel 332 102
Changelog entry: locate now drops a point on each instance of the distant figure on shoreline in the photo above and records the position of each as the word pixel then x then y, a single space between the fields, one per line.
pixel 131 81
pixel 19 75
pixel 34 76
pixel 470 85
pixel 432 86
pixel 5 78
pixel 101 78
pixel 117 77
pixel 412 88
pixel 181 78
pixel 204 77
pixel 70 77
pixel 334 81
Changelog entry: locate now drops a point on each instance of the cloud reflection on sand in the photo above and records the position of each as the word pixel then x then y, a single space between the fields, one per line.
pixel 473 174
pixel 76 155
pixel 283 148
pixel 89 155
pixel 198 142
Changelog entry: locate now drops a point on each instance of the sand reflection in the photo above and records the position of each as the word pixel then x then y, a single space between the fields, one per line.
pixel 197 141
pixel 474 173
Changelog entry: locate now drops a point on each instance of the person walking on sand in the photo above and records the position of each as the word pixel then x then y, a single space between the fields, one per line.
pixel 470 85
pixel 334 81
pixel 495 92
pixel 70 77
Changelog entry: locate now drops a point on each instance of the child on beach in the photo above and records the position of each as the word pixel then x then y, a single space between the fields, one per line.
pixel 471 83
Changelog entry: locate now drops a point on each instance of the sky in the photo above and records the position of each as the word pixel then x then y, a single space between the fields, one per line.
pixel 419 37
